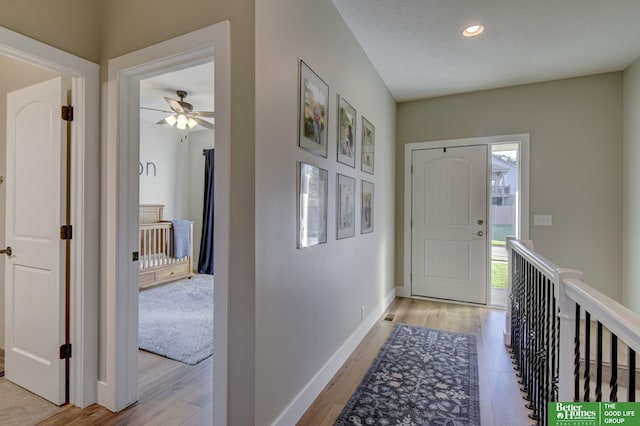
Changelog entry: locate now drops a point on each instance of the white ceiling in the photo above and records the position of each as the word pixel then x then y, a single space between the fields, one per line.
pixel 198 81
pixel 418 49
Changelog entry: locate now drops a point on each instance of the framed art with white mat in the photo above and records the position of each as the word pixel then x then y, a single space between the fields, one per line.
pixel 345 207
pixel 312 205
pixel 313 106
pixel 367 204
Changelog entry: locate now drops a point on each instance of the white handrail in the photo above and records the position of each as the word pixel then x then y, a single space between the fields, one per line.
pixel 544 265
pixel 621 321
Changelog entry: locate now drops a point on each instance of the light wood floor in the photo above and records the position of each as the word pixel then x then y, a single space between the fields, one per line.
pixel 170 393
pixel 500 399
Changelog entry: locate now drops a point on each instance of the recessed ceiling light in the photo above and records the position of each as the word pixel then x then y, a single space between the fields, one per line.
pixel 473 30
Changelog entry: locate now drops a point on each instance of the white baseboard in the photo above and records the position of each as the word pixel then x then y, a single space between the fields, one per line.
pixel 105 396
pixel 403 292
pixel 296 409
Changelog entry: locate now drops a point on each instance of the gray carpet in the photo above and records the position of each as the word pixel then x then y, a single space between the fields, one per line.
pixel 420 377
pixel 176 319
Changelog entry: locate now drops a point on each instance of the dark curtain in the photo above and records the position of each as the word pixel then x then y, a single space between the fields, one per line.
pixel 205 262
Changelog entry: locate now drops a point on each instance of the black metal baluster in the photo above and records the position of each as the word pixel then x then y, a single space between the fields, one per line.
pixel 599 363
pixel 576 358
pixel 523 330
pixel 555 341
pixel 613 395
pixel 534 360
pixel 631 380
pixel 587 356
pixel 548 321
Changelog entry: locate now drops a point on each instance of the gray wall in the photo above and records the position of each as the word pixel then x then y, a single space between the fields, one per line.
pixel 308 300
pixel 631 251
pixel 576 157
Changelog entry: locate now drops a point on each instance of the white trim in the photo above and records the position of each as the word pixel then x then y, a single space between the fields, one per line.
pixel 523 188
pixel 310 392
pixel 119 386
pixel 84 203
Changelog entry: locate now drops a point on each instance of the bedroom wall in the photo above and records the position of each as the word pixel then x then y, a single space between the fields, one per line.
pixel 575 162
pixel 164 168
pixel 15 75
pixel 631 224
pixel 309 300
pixel 198 141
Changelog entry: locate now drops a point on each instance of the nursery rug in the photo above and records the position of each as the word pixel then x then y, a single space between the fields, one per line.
pixel 176 319
pixel 420 377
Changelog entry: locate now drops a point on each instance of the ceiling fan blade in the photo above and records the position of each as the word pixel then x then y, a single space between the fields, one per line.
pixel 204 123
pixel 175 105
pixel 156 109
pixel 163 121
pixel 209 114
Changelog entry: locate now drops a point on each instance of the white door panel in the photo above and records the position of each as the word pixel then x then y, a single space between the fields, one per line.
pixel 449 210
pixel 34 274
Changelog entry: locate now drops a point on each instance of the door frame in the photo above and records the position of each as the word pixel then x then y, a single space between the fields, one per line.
pixel 522 215
pixel 85 77
pixel 118 387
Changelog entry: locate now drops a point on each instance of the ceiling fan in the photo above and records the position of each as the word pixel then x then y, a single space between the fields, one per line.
pixel 182 114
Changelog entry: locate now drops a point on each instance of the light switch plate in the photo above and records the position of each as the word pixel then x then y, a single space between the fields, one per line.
pixel 543 219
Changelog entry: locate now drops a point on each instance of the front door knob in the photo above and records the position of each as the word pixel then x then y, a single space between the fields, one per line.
pixel 6 251
pixel 480 233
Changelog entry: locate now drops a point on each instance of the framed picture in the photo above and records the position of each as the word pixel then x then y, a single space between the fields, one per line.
pixel 368 146
pixel 346 133
pixel 366 222
pixel 346 207
pixel 312 112
pixel 312 205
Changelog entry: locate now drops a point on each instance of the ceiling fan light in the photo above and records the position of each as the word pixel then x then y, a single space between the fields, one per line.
pixel 191 123
pixel 171 120
pixel 182 122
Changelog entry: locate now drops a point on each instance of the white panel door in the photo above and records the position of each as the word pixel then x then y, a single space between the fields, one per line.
pixel 449 215
pixel 34 275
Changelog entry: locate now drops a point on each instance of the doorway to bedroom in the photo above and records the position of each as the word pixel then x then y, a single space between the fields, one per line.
pixel 175 311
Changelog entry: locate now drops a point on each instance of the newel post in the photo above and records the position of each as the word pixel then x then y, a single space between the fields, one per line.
pixel 567 338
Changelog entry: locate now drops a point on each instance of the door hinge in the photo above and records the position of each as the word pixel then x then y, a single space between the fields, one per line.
pixel 65 351
pixel 66 232
pixel 411 277
pixel 67 112
pixel 412 169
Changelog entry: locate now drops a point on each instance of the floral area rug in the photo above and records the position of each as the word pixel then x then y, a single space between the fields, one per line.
pixel 420 377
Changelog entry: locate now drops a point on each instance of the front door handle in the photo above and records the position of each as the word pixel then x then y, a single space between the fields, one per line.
pixel 6 251
pixel 480 233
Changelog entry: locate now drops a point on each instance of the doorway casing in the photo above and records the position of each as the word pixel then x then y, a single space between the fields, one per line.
pixel 118 386
pixel 522 215
pixel 84 203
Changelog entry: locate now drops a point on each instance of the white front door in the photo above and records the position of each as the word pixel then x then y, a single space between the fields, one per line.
pixel 34 277
pixel 449 223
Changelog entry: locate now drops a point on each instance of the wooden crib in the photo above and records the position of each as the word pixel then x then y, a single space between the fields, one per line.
pixel 157 264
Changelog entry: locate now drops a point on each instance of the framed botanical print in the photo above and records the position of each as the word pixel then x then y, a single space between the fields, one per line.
pixel 346 133
pixel 312 205
pixel 313 108
pixel 346 206
pixel 366 221
pixel 368 146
